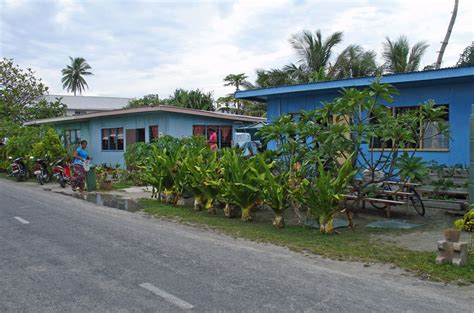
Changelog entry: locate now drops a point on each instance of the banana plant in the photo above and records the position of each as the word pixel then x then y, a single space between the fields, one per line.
pixel 240 182
pixel 323 193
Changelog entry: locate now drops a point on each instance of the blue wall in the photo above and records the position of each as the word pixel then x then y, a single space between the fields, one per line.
pixel 173 124
pixel 458 95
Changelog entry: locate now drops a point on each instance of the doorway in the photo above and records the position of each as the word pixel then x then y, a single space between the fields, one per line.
pixel 135 135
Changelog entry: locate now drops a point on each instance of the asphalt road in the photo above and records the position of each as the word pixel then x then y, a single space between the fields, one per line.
pixel 61 254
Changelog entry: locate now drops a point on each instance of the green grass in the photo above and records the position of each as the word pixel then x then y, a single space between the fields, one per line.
pixel 350 245
pixel 122 184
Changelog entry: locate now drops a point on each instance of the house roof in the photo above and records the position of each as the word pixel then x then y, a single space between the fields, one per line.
pixel 159 108
pixel 90 103
pixel 454 74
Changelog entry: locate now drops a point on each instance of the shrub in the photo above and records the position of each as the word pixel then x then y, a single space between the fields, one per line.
pixel 467 222
pixel 323 194
pixel 240 182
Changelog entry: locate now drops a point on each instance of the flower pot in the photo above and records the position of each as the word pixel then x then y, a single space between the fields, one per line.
pixel 452 234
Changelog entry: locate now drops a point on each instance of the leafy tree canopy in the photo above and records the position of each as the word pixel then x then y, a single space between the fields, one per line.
pixel 467 57
pixel 191 99
pixel 21 98
pixel 146 101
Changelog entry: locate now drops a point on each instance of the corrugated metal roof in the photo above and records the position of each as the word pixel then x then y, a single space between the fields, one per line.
pixel 160 108
pixel 261 94
pixel 90 102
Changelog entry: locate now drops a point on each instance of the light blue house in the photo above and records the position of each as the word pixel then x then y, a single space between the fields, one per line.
pixel 109 133
pixel 451 87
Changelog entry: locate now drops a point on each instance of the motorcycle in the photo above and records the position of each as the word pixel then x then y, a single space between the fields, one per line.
pixel 62 172
pixel 18 169
pixel 40 169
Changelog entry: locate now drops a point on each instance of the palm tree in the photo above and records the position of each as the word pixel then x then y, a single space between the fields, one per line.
pixel 271 78
pixel 354 61
pixel 398 56
pixel 314 52
pixel 235 80
pixel 444 43
pixel 191 99
pixel 73 79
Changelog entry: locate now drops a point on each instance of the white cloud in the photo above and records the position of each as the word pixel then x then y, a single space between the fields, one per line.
pixel 144 47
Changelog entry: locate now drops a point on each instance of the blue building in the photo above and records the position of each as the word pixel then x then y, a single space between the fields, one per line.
pixel 109 133
pixel 451 87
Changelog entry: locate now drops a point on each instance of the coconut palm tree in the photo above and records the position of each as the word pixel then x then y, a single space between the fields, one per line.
pixel 191 99
pixel 398 56
pixel 235 80
pixel 444 43
pixel 271 78
pixel 314 52
pixel 354 61
pixel 73 79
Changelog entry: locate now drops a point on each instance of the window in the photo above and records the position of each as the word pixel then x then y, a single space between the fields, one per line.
pixel 72 137
pixel 430 139
pixel 112 139
pixel 140 135
pixel 153 132
pixel 224 133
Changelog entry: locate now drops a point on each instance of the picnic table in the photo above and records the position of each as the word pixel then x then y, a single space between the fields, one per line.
pixel 392 193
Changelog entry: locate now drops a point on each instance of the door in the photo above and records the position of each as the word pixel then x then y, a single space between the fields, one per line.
pixel 131 136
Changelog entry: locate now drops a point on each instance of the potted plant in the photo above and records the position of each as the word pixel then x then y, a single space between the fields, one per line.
pixel 452 234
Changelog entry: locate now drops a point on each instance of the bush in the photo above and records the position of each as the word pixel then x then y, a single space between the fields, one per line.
pixel 467 222
pixel 39 142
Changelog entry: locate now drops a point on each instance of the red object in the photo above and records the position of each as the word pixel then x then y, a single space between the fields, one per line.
pixel 67 171
pixel 213 137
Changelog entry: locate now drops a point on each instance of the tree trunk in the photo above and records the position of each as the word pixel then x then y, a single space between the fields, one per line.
pixel 448 34
pixel 211 209
pixel 198 203
pixel 229 210
pixel 326 226
pixel 279 221
pixel 247 213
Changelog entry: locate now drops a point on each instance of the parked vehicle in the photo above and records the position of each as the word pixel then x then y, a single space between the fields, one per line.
pixel 18 169
pixel 40 169
pixel 62 172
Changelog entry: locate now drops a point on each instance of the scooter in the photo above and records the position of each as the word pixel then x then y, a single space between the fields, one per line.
pixel 18 169
pixel 62 172
pixel 40 169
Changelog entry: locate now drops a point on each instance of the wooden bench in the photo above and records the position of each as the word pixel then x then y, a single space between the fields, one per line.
pixel 387 202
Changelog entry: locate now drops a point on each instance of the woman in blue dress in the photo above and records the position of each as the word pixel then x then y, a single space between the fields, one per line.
pixel 80 156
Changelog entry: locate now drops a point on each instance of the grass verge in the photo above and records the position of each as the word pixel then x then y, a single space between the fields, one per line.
pixel 122 184
pixel 350 245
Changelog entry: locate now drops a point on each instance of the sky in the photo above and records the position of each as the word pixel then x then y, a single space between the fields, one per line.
pixel 142 47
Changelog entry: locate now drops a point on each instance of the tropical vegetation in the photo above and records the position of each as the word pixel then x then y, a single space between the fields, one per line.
pixel 467 56
pixel 73 75
pixel 190 99
pixel 22 99
pixel 400 58
pixel 311 167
